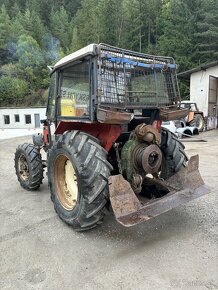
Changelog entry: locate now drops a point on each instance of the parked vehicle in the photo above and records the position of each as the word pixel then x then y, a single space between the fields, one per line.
pixel 195 118
pixel 108 147
pixel 170 125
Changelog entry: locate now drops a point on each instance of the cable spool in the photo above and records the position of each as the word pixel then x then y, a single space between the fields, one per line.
pixel 147 158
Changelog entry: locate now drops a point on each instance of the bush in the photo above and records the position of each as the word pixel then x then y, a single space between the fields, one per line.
pixel 12 90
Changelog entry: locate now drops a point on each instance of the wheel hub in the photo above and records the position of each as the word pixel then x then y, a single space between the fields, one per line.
pixel 66 182
pixel 23 167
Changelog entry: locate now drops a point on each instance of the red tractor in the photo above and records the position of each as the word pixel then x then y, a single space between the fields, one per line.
pixel 104 142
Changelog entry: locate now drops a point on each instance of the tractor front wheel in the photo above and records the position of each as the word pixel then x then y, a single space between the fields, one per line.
pixel 78 174
pixel 28 166
pixel 198 121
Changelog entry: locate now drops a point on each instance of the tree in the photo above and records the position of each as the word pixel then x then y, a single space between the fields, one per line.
pixel 36 33
pixel 130 20
pixel 33 25
pixel 30 61
pixel 140 24
pixel 110 15
pixel 86 23
pixel 17 27
pixel 206 34
pixel 12 90
pixel 4 35
pixel 61 27
pixel 176 28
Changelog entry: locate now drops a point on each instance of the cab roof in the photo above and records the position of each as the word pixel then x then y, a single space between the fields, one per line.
pixel 85 51
pixel 118 53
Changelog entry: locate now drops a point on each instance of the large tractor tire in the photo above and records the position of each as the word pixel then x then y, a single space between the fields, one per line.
pixel 28 166
pixel 78 174
pixel 174 157
pixel 198 121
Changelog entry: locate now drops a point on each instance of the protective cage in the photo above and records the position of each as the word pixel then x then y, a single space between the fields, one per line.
pixel 130 80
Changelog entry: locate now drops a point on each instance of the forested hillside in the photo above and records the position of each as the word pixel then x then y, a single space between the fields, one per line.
pixel 34 34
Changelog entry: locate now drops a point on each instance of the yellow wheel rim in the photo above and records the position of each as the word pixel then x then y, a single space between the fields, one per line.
pixel 65 182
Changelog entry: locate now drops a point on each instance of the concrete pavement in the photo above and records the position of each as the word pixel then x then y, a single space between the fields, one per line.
pixel 177 250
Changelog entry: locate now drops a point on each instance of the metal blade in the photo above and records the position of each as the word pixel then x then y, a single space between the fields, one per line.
pixel 184 186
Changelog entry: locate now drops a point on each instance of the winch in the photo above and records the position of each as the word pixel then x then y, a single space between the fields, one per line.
pixel 141 155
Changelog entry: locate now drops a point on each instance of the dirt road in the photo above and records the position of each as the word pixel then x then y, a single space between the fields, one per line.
pixel 177 250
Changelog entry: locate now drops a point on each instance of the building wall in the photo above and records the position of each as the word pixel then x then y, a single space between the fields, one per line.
pixel 199 87
pixel 23 120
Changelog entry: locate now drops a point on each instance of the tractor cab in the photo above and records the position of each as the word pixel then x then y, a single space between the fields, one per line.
pixel 101 83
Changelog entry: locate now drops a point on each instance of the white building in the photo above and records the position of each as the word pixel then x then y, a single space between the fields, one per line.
pixel 204 88
pixel 21 118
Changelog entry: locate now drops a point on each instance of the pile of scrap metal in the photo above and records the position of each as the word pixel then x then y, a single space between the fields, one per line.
pixel 180 129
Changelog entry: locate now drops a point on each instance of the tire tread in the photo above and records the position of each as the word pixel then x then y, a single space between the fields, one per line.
pixel 174 156
pixel 90 160
pixel 34 161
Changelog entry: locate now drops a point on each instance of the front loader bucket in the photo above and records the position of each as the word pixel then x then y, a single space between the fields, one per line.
pixel 184 186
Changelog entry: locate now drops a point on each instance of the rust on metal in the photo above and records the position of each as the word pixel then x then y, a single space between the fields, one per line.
pixel 113 116
pixel 147 133
pixel 124 201
pixel 173 113
pixel 148 158
pixel 184 186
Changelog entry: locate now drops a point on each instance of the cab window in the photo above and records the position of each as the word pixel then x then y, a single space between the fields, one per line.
pixel 74 90
pixel 51 98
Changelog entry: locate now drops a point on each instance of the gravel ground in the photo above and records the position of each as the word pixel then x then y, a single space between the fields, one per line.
pixel 177 250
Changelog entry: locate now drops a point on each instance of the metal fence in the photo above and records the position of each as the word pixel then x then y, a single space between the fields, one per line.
pixel 133 80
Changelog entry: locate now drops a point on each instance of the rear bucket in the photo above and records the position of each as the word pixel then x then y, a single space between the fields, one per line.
pixel 184 186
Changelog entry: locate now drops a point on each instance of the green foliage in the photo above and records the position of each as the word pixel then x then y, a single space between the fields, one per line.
pixel 34 34
pixel 206 32
pixel 140 24
pixel 12 90
pixel 87 23
pixel 10 70
pixel 28 52
pixel 4 33
pixel 110 17
pixel 61 27
pixel 30 61
pixel 4 26
pixel 176 38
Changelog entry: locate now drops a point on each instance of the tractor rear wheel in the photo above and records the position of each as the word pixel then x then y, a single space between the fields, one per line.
pixel 28 166
pixel 198 121
pixel 78 174
pixel 174 157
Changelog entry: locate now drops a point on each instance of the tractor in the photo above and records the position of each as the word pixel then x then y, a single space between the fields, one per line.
pixel 195 117
pixel 103 140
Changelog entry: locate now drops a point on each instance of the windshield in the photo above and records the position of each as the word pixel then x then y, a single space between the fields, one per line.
pixel 74 90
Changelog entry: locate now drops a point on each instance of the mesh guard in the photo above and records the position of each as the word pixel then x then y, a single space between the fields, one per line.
pixel 128 80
